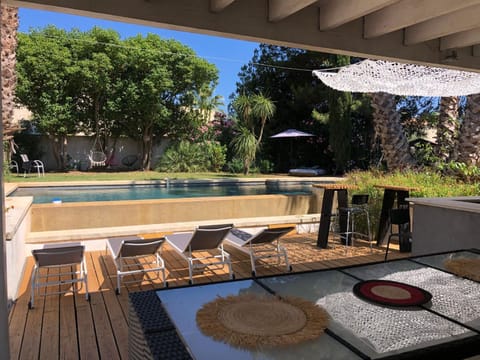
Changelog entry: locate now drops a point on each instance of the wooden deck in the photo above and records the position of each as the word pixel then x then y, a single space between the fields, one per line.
pixel 69 327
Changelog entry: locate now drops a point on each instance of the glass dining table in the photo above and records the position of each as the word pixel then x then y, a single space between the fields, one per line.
pixel 163 323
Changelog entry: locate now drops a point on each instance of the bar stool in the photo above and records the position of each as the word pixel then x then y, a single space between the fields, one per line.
pixel 400 218
pixel 358 207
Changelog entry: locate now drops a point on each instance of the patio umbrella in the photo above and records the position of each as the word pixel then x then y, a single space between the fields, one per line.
pixel 291 134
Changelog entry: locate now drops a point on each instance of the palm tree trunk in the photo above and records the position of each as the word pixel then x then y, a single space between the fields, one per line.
pixel 388 128
pixel 8 74
pixel 260 135
pixel 469 137
pixel 447 129
pixel 9 18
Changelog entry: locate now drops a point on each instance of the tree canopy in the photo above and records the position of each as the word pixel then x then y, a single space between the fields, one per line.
pixel 98 83
pixel 303 102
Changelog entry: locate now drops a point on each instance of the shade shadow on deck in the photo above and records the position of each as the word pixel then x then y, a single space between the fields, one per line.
pixel 69 327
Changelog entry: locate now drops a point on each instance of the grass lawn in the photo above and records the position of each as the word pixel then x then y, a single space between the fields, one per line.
pixel 125 175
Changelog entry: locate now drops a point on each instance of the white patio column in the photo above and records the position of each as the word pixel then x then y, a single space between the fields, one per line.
pixel 4 339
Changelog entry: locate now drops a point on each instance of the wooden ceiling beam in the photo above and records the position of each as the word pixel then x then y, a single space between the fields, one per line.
pixel 459 40
pixel 217 6
pixel 334 13
pixel 281 9
pixel 458 21
pixel 410 12
pixel 248 20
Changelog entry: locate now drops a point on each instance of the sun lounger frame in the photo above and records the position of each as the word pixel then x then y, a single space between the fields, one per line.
pixel 263 245
pixel 123 258
pixel 196 262
pixel 64 256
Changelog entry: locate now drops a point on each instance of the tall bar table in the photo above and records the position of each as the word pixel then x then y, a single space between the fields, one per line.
pixel 391 192
pixel 327 203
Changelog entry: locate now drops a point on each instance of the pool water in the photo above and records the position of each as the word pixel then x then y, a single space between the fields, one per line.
pixel 141 192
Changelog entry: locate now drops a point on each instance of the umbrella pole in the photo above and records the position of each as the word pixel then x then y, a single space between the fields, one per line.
pixel 291 162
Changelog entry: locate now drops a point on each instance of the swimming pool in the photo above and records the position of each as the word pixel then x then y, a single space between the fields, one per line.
pixel 43 195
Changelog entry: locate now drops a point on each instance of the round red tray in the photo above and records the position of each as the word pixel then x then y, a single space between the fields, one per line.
pixel 391 293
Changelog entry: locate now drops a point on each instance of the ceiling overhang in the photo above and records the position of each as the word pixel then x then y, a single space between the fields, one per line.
pixel 430 32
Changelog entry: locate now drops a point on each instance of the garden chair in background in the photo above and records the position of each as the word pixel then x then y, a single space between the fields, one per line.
pixel 206 239
pixel 14 166
pixel 28 165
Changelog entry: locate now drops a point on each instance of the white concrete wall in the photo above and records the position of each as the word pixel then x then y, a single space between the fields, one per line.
pixel 444 226
pixel 79 147
pixel 16 250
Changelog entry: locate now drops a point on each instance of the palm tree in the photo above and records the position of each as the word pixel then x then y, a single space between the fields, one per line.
pixel 8 76
pixel 250 108
pixel 207 103
pixel 242 105
pixel 245 147
pixel 9 18
pixel 262 108
pixel 469 136
pixel 447 129
pixel 388 128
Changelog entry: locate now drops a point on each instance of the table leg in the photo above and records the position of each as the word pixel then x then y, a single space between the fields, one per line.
pixel 387 205
pixel 404 231
pixel 325 215
pixel 342 198
pixel 401 196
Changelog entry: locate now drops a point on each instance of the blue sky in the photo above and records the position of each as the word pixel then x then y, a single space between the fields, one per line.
pixel 228 55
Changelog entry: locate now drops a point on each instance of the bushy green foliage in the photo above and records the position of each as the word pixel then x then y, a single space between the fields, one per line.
pixel 265 166
pixel 428 183
pixel 235 166
pixel 215 155
pixel 465 172
pixel 424 153
pixel 193 157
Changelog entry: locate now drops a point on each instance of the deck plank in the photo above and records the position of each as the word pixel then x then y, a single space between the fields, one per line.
pixel 68 326
pixel 33 329
pixel 19 313
pixel 87 343
pixel 49 345
pixel 105 335
pixel 115 312
pixel 101 325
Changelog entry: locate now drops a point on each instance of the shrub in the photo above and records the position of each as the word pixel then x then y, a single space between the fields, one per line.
pixel 265 166
pixel 235 166
pixel 468 173
pixel 193 157
pixel 215 155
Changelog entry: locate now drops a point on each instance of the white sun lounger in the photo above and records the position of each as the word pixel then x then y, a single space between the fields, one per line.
pixel 262 245
pixel 204 238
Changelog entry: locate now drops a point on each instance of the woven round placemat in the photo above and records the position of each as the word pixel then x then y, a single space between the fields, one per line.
pixel 465 267
pixel 252 321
